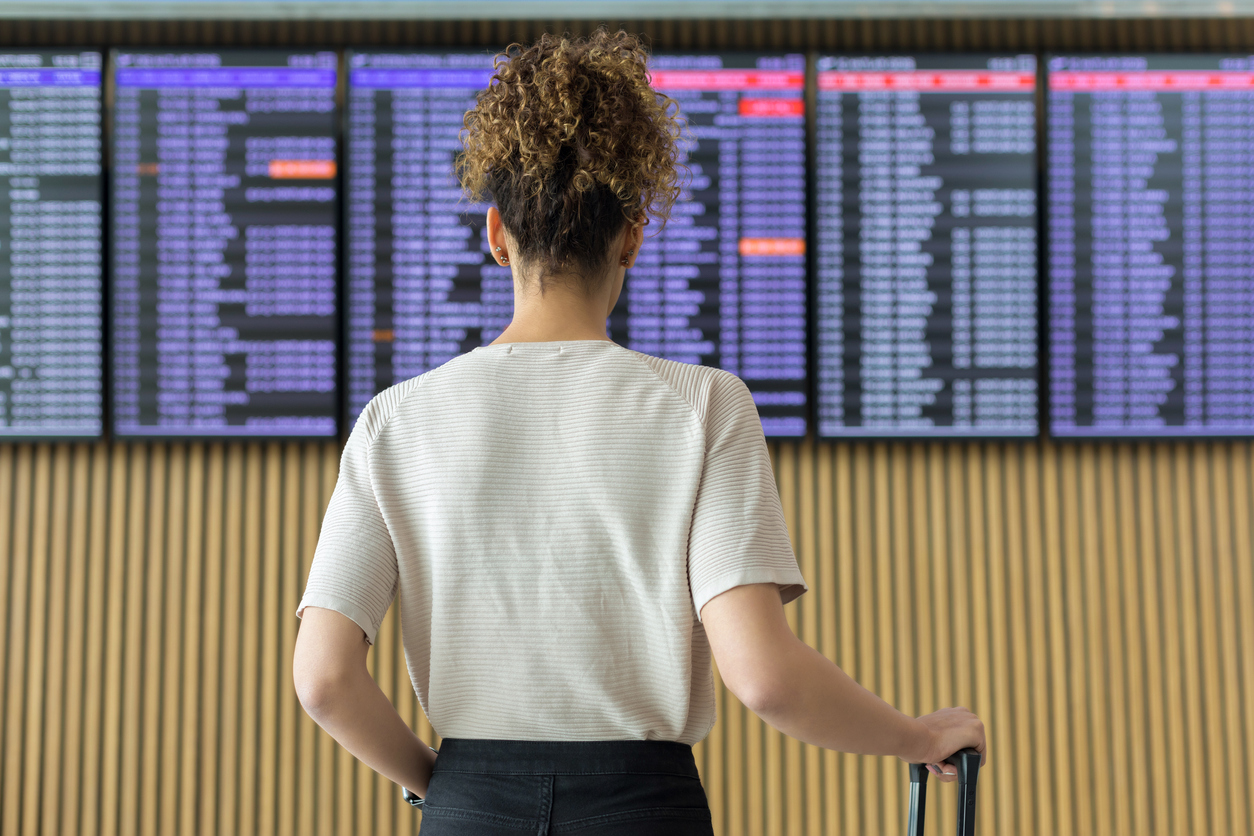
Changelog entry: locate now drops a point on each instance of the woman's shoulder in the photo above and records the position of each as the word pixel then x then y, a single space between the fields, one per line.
pixel 707 389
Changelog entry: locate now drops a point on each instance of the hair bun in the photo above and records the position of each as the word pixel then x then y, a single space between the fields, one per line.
pixel 571 143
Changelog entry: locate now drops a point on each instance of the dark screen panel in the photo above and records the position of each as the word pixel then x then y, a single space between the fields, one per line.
pixel 421 287
pixel 1151 262
pixel 224 227
pixel 926 250
pixel 50 244
pixel 723 285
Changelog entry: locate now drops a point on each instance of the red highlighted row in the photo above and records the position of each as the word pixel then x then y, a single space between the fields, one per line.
pixel 772 107
pixel 1174 81
pixel 932 81
pixel 727 80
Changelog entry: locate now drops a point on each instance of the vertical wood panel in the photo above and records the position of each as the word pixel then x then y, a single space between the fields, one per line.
pixel 1134 650
pixel 1174 685
pixel 811 792
pixel 193 606
pixel 288 522
pixel 56 707
pixel 15 642
pixel 273 652
pixel 130 619
pixel 33 679
pixel 8 815
pixel 1076 757
pixel 211 647
pixel 1190 618
pixel 75 656
pixel 249 646
pixel 1148 578
pixel 149 595
pixel 982 663
pixel 169 644
pixel 1232 771
pixel 1242 523
pixel 158 510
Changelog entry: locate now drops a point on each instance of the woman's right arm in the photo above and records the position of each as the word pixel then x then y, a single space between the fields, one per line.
pixel 803 694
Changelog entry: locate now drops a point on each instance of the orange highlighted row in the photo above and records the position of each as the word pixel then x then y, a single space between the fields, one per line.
pixel 772 107
pixel 302 169
pixel 772 246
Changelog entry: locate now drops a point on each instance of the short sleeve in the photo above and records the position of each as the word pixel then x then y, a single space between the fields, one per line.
pixel 738 533
pixel 354 567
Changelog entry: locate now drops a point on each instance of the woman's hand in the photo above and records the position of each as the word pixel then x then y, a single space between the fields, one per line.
pixel 950 730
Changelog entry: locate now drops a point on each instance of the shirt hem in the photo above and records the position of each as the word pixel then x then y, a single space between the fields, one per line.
pixel 790 582
pixel 356 614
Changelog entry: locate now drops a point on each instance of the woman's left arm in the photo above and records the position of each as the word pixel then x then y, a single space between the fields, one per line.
pixel 337 691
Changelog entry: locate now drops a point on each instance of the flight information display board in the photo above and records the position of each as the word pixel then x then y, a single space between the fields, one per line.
pixel 1151 254
pixel 50 244
pixel 926 248
pixel 224 235
pixel 421 287
pixel 723 285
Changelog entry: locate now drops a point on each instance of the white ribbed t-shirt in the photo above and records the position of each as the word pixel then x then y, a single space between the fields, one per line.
pixel 550 518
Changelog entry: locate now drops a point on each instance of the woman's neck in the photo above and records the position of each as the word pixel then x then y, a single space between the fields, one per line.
pixel 560 313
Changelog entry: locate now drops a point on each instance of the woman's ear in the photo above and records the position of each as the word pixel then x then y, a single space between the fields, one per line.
pixel 632 242
pixel 496 237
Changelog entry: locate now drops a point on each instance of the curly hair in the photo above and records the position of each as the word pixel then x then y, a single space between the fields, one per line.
pixel 572 144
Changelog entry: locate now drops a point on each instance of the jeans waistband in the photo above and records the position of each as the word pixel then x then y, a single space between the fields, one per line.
pixel 541 757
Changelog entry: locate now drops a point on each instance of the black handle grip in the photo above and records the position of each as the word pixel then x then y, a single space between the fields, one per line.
pixel 968 763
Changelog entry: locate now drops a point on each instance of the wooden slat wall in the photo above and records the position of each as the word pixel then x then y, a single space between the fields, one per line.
pixel 1095 603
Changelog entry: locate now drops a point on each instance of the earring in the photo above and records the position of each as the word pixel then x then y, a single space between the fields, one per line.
pixel 504 258
pixel 627 258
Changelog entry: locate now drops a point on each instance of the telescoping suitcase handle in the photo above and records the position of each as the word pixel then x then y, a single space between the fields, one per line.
pixel 968 763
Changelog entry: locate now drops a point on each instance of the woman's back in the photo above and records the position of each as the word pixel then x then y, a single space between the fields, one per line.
pixel 560 512
pixel 570 529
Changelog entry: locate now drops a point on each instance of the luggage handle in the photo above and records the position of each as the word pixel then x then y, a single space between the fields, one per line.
pixel 968 763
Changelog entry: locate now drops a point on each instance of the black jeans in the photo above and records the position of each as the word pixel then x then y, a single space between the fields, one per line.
pixel 610 788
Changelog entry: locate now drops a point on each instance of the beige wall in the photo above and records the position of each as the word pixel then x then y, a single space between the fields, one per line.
pixel 1095 603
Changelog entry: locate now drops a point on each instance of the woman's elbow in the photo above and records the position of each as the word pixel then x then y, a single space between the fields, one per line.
pixel 764 692
pixel 316 692
pixel 319 687
pixel 328 660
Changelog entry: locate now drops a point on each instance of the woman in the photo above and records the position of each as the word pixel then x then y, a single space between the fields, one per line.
pixel 570 528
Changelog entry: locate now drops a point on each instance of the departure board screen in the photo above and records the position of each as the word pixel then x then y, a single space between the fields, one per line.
pixel 224 232
pixel 1151 254
pixel 50 244
pixel 926 246
pixel 421 287
pixel 723 285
